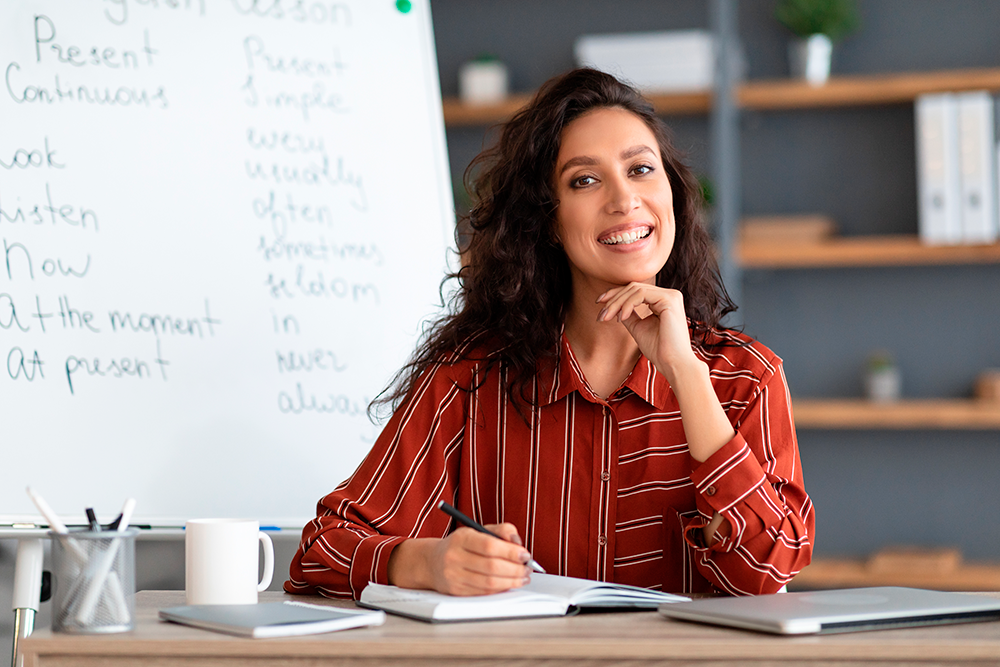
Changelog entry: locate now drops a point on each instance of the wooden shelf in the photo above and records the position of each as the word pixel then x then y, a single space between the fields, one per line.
pixel 771 94
pixel 863 90
pixel 960 414
pixel 859 251
pixel 458 114
pixel 938 569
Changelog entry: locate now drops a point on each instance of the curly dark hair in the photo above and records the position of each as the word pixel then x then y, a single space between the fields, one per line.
pixel 514 287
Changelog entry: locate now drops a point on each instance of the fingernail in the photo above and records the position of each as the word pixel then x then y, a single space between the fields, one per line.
pixel 516 539
pixel 601 297
pixel 524 557
pixel 526 581
pixel 600 316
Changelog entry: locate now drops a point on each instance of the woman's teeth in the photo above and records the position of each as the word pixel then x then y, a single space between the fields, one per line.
pixel 628 237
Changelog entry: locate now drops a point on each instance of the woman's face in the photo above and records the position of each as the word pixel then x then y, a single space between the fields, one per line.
pixel 615 214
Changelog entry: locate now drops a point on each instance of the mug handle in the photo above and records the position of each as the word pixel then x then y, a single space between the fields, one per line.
pixel 265 541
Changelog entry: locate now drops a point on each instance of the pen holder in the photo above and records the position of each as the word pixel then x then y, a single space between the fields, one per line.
pixel 93 581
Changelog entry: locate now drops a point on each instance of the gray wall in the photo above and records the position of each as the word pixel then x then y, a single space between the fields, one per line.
pixel 870 488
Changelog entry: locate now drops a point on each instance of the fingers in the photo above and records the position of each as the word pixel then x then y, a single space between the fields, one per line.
pixel 639 299
pixel 473 563
pixel 506 531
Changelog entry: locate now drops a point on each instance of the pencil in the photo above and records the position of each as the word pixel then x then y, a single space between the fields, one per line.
pixel 463 519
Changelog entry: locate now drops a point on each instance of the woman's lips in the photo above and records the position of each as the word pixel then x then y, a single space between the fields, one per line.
pixel 626 236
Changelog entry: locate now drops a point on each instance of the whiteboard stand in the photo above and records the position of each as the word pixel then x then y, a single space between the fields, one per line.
pixel 27 582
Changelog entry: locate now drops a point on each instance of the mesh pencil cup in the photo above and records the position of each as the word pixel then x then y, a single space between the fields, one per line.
pixel 93 581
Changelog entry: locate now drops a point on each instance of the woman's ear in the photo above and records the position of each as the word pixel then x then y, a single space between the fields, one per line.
pixel 553 226
pixel 554 236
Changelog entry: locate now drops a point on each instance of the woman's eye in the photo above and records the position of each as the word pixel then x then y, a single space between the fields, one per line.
pixel 642 169
pixel 583 181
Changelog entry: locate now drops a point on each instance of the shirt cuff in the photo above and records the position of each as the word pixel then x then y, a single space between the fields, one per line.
pixel 371 561
pixel 721 483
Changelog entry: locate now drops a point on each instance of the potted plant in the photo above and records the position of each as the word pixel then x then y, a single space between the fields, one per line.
pixel 816 24
pixel 882 378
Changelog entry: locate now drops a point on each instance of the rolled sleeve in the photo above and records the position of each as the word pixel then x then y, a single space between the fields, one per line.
pixel 728 479
pixel 755 482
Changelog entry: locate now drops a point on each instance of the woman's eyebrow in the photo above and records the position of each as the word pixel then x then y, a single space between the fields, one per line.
pixel 629 153
pixel 580 161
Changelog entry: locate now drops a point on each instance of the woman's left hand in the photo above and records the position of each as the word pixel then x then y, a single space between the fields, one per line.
pixel 655 318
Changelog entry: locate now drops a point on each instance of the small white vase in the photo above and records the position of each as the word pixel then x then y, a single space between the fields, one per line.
pixel 482 82
pixel 809 59
pixel 883 385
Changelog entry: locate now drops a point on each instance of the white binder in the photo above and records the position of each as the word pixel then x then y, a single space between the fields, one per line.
pixel 938 185
pixel 977 161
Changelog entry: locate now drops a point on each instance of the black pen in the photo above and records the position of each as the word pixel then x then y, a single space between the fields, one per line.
pixel 461 518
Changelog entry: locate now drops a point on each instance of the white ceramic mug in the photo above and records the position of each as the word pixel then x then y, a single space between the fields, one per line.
pixel 220 559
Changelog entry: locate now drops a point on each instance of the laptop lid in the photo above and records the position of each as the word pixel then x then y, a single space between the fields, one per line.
pixel 843 610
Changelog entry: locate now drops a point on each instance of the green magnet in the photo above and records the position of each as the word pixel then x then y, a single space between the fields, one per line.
pixel 404 6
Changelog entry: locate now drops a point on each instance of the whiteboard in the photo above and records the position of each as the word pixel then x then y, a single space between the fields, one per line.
pixel 222 223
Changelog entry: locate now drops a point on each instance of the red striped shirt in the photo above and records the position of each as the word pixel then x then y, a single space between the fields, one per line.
pixel 599 489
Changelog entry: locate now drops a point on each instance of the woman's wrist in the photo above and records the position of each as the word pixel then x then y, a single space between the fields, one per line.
pixel 408 563
pixel 684 372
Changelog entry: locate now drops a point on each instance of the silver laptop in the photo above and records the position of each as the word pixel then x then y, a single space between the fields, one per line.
pixel 844 610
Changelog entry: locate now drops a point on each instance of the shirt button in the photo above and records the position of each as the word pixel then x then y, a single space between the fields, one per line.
pixel 602 540
pixel 710 491
pixel 605 476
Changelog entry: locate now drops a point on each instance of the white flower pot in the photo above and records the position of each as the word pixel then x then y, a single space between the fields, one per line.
pixel 883 385
pixel 482 82
pixel 809 58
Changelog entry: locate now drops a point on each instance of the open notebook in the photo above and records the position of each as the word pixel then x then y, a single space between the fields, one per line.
pixel 844 610
pixel 546 595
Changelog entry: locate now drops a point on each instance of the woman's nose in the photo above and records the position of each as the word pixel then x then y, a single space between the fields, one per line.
pixel 622 197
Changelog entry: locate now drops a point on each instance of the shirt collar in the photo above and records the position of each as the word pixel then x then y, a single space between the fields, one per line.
pixel 558 378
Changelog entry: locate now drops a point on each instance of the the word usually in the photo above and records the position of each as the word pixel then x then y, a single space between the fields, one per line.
pixel 321 175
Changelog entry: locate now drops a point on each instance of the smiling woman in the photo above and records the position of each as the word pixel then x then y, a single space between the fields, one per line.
pixel 581 397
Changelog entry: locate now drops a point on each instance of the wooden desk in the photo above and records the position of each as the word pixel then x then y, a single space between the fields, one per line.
pixel 586 640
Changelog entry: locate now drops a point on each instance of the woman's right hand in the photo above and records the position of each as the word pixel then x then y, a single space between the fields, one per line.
pixel 466 562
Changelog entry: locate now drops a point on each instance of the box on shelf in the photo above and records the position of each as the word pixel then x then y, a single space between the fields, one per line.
pixel 988 386
pixel 483 82
pixel 664 61
pixel 784 229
